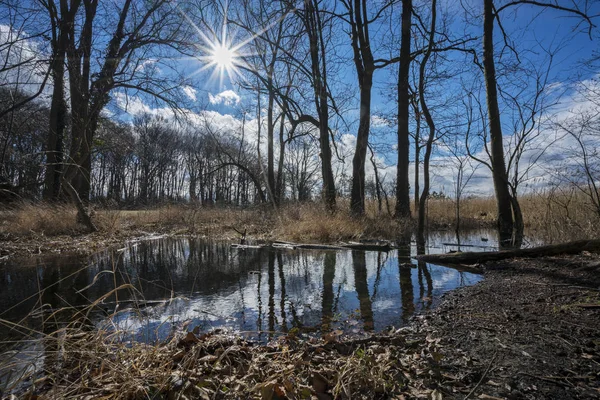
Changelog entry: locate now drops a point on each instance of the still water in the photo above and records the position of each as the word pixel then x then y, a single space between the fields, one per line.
pixel 173 282
pixel 149 289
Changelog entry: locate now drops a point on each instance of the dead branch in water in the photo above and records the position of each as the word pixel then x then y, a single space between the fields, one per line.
pixel 380 246
pixel 575 247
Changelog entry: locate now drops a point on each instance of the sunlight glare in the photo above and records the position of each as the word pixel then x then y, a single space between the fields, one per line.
pixel 223 56
pixel 222 53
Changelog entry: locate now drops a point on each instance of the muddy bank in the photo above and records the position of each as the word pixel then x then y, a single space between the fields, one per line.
pixel 529 330
pixel 84 244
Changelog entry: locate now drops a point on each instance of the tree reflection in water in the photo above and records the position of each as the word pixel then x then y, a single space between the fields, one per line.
pixel 208 284
pixel 328 296
pixel 359 264
pixel 406 284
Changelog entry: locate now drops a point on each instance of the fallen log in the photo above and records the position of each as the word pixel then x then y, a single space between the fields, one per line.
pixel 315 246
pixel 247 246
pixel 289 246
pixel 385 246
pixel 592 245
pixel 368 246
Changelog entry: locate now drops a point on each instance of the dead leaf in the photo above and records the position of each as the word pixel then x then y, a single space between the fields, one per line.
pixel 178 356
pixel 209 358
pixel 267 391
pixel 320 383
pixel 437 356
pixel 189 338
pixel 486 397
pixel 333 336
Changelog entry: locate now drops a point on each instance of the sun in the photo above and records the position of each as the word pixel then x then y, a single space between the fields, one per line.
pixel 221 52
pixel 223 57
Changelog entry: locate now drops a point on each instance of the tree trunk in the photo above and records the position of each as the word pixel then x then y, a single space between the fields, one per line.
pixel 402 182
pixel 519 226
pixel 270 152
pixel 320 69
pixel 78 63
pixel 503 198
pixel 279 189
pixel 357 194
pixel 58 116
pixel 431 126
pixel 377 182
pixel 326 169
pixel 417 162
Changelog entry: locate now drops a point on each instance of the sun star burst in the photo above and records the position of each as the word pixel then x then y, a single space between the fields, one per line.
pixel 223 57
pixel 222 53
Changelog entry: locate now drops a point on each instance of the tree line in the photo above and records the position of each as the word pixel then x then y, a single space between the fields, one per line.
pixel 464 88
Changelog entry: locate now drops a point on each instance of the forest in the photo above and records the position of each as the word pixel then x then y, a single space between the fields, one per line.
pixel 244 102
pixel 324 199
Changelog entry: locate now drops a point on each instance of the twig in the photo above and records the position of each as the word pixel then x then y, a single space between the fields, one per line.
pixel 482 376
pixel 543 378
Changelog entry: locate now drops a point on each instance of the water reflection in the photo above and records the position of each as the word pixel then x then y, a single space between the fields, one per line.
pixel 177 282
pixel 359 264
pixel 327 297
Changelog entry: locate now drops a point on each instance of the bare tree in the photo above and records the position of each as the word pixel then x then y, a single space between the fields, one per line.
pixel 314 25
pixel 402 183
pixel 465 170
pixel 580 133
pixel 24 60
pixel 430 125
pixel 359 20
pixel 505 206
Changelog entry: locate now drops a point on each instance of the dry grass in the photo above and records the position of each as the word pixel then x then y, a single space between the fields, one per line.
pixel 94 365
pixel 40 219
pixel 549 217
pixel 554 217
pixel 300 222
pixel 313 222
pixel 477 212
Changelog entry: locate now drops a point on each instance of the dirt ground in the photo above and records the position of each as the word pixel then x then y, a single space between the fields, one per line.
pixel 529 330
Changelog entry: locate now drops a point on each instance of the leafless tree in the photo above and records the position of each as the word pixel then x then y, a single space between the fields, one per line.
pixel 505 205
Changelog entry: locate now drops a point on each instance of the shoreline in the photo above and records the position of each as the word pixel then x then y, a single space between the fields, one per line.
pixel 528 330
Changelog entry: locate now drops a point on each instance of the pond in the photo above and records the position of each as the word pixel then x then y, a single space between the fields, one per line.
pixel 182 283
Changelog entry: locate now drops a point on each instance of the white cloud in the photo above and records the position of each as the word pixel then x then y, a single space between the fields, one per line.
pixel 227 98
pixel 189 92
pixel 25 62
pixel 378 121
pixel 133 105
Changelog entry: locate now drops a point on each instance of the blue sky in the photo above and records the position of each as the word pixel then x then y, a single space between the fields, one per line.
pixel 526 26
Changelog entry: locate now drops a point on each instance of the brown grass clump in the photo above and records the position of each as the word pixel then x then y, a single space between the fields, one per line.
pixel 213 365
pixel 313 222
pixel 558 216
pixel 549 217
pixel 478 212
pixel 42 219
